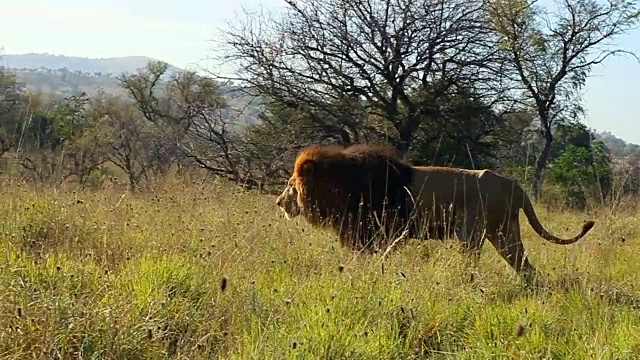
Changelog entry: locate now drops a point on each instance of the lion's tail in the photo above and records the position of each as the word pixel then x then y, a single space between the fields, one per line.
pixel 527 207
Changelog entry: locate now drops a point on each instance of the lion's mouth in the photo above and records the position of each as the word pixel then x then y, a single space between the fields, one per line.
pixel 289 214
pixel 286 213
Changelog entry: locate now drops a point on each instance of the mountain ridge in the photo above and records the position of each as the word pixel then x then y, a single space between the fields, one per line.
pixel 62 75
pixel 104 65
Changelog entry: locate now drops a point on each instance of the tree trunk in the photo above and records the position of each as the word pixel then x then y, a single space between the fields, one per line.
pixel 406 134
pixel 541 164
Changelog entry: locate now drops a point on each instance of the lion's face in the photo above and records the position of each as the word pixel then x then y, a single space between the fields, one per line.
pixel 288 200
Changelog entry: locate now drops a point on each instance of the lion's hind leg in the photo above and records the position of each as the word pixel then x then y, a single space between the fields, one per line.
pixel 508 242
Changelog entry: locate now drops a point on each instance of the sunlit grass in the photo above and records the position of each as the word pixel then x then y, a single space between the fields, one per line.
pixel 201 270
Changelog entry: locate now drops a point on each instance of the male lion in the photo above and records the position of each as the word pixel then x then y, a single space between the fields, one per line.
pixel 363 191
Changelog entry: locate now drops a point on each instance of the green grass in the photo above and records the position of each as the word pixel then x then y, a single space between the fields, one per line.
pixel 203 271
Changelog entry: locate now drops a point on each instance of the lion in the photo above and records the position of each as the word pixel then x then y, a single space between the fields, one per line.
pixel 365 191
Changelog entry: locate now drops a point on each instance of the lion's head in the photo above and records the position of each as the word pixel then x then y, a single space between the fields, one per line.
pixel 288 200
pixel 300 195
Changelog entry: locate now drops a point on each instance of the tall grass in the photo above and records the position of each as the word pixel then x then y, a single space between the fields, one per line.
pixel 201 270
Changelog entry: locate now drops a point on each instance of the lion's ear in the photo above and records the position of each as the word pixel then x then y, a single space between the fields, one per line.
pixel 307 168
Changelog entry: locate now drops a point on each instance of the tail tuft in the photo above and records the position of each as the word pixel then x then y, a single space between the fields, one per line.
pixel 587 226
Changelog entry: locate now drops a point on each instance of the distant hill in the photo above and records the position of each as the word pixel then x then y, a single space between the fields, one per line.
pixel 63 82
pixel 65 75
pixel 618 147
pixel 114 66
pixel 60 75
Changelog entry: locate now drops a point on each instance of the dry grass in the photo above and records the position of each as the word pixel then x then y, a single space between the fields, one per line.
pixel 203 271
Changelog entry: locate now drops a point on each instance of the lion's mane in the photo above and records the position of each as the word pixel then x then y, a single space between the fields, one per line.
pixel 359 191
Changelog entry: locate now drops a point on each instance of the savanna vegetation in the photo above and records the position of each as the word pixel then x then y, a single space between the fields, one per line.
pixel 142 224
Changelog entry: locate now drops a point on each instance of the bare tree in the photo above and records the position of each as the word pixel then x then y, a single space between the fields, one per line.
pixel 551 54
pixel 190 112
pixel 126 139
pixel 377 53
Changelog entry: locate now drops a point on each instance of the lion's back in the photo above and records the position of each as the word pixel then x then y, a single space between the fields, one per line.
pixel 442 181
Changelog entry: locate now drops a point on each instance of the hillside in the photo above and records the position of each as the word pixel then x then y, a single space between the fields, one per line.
pixel 112 66
pixel 68 75
pixel 64 82
pixel 618 147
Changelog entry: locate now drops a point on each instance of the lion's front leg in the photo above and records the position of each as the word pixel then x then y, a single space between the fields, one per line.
pixel 469 232
pixel 357 235
pixel 468 229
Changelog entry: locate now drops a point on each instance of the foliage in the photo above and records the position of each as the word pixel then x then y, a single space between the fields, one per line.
pixel 11 110
pixel 65 141
pixel 583 171
pixel 463 131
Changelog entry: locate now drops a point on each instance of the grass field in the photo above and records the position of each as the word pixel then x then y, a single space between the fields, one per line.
pixel 198 270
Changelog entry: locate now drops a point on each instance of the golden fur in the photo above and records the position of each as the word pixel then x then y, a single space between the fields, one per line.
pixel 364 191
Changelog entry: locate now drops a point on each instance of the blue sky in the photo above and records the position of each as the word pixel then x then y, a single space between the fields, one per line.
pixel 183 33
